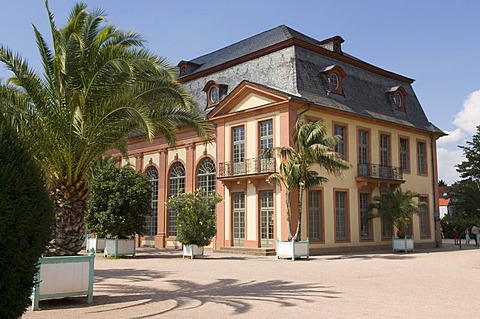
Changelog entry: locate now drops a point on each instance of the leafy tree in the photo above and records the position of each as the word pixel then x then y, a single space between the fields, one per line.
pixel 442 183
pixel 118 202
pixel 470 168
pixel 99 84
pixel 296 169
pixel 26 214
pixel 466 199
pixel 395 208
pixel 196 219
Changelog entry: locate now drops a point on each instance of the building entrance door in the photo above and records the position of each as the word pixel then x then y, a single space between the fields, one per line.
pixel 266 218
pixel 238 219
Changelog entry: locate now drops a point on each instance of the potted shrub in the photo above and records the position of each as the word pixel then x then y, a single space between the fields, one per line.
pixel 196 220
pixel 118 202
pixel 396 208
pixel 296 171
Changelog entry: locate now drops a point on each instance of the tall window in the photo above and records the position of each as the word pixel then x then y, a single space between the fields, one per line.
pixel 384 155
pixel 340 147
pixel 365 231
pixel 314 217
pixel 151 220
pixel 404 154
pixel 422 157
pixel 387 228
pixel 265 143
pixel 206 177
pixel 362 153
pixel 423 214
pixel 266 218
pixel 238 150
pixel 341 218
pixel 238 202
pixel 176 185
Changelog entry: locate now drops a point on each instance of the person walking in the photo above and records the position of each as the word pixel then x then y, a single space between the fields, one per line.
pixel 455 236
pixel 475 234
pixel 467 237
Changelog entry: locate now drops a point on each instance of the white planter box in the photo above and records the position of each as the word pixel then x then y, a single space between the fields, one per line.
pixel 115 247
pixel 95 243
pixel 402 244
pixel 293 249
pixel 192 251
pixel 59 277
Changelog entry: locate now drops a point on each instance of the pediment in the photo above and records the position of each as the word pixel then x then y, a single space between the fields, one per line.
pixel 247 96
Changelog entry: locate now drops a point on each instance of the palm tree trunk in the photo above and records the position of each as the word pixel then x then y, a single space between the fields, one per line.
pixel 298 233
pixel 69 229
pixel 289 205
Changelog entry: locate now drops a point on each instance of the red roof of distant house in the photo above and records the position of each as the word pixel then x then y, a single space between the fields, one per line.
pixel 443 201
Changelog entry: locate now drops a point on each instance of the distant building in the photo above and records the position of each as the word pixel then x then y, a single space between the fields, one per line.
pixel 252 91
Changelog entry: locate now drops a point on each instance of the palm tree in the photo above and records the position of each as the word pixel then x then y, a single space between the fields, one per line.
pixel 396 208
pixel 99 85
pixel 296 164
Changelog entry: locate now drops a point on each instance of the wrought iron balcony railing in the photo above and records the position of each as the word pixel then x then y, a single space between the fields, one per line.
pixel 378 171
pixel 247 167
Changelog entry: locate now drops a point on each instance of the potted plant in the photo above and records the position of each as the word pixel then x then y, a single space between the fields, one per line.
pixel 118 203
pixel 296 171
pixel 196 220
pixel 396 208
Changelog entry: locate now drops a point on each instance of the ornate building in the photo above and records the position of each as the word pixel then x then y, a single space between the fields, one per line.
pixel 252 91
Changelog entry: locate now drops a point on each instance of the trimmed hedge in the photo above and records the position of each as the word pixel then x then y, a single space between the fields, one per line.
pixel 26 215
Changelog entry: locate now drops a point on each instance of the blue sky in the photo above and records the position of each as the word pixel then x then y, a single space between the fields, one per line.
pixel 434 42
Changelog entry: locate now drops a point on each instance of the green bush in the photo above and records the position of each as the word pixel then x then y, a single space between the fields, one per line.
pixel 26 215
pixel 118 202
pixel 196 219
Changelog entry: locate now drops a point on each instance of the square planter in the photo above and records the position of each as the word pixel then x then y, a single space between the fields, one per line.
pixel 402 244
pixel 293 249
pixel 115 247
pixel 65 276
pixel 95 243
pixel 192 251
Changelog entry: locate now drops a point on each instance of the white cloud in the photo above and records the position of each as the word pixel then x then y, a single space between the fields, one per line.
pixel 446 164
pixel 469 116
pixel 456 137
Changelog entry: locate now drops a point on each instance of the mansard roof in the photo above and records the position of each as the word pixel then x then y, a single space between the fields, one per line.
pixel 298 71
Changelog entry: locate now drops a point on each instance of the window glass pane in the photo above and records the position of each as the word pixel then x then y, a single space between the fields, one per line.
pixel 341 215
pixel 151 220
pixel 364 211
pixel 176 185
pixel 314 218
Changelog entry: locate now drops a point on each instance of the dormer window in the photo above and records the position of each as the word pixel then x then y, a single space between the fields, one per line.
pixel 397 96
pixel 335 76
pixel 187 67
pixel 213 95
pixel 215 92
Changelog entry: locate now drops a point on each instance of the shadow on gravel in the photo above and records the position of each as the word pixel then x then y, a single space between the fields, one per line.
pixel 367 257
pixel 177 294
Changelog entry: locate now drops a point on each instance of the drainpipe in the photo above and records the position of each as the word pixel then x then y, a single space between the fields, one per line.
pixel 436 213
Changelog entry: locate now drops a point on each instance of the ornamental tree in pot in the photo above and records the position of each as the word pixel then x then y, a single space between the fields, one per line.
pixel 396 208
pixel 298 169
pixel 118 203
pixel 196 219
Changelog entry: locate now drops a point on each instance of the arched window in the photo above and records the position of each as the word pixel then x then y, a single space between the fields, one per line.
pixel 206 177
pixel 151 220
pixel 176 184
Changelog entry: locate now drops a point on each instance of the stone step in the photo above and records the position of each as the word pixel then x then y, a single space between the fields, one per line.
pixel 247 251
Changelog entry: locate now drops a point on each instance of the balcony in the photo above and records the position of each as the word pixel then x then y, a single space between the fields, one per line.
pixel 251 166
pixel 377 171
pixel 378 175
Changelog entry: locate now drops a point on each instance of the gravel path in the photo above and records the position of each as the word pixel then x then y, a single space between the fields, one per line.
pixel 160 284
